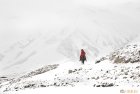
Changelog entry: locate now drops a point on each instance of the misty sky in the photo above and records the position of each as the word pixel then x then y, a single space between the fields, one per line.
pixel 19 18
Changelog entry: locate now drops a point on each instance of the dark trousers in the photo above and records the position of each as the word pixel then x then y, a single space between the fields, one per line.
pixel 82 61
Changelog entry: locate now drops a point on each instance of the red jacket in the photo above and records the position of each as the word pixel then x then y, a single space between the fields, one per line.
pixel 83 55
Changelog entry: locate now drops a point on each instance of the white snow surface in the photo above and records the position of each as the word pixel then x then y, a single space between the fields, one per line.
pixel 74 74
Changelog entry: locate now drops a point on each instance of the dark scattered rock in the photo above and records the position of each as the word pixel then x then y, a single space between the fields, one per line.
pixel 29 86
pixel 128 60
pixel 133 61
pixel 124 77
pixel 16 87
pixel 104 85
pixel 70 71
pixel 98 61
pixel 107 71
pixel 97 78
pixel 131 76
pixel 80 69
pixel 119 60
pixel 107 85
pixel 6 90
pixel 126 73
pixel 138 67
pixel 66 83
pixel 3 77
pixel 59 79
pixel 122 70
pixel 98 85
pixel 42 85
pixel 92 77
pixel 55 84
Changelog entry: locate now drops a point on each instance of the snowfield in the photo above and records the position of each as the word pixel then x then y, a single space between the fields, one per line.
pixel 72 74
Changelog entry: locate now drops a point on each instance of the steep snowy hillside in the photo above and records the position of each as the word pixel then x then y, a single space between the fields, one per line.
pixel 128 54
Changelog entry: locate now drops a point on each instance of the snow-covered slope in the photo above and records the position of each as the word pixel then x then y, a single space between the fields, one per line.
pixel 104 74
pixel 128 54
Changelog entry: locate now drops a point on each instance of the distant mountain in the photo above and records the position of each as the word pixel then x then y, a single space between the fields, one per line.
pixel 40 51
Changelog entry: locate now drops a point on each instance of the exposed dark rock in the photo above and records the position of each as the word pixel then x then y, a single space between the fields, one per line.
pixel 107 85
pixel 138 67
pixel 43 85
pixel 126 73
pixel 107 71
pixel 131 76
pixel 55 84
pixel 70 71
pixel 101 59
pixel 92 77
pixel 3 77
pixel 119 60
pixel 124 77
pixel 122 70
pixel 97 78
pixel 98 85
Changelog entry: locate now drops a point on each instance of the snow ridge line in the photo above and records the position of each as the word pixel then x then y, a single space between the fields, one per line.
pixel 33 73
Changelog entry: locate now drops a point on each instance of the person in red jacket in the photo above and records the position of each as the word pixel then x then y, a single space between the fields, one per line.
pixel 82 56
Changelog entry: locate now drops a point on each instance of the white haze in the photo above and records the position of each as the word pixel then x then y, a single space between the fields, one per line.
pixel 20 18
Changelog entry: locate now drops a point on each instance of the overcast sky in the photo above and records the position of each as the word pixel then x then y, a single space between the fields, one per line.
pixel 19 18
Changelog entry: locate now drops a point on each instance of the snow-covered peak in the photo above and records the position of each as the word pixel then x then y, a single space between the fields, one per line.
pixel 128 54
